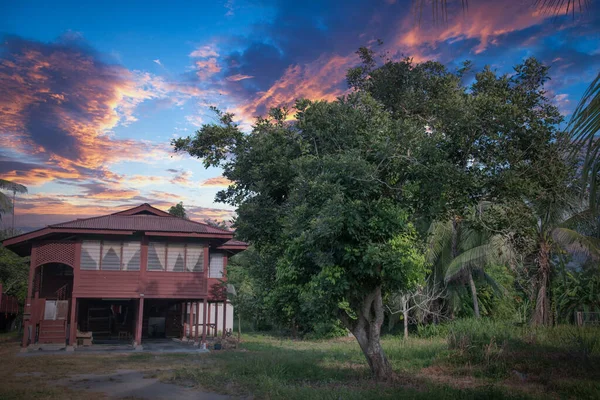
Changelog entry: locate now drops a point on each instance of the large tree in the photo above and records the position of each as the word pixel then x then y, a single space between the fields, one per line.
pixel 327 195
pixel 178 210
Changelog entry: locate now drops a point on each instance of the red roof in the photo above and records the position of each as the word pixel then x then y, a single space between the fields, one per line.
pixel 141 223
pixel 144 218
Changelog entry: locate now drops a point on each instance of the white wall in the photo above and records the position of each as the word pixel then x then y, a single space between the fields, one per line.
pixel 229 322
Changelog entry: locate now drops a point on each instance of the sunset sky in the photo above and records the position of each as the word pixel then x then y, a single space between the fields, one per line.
pixel 91 94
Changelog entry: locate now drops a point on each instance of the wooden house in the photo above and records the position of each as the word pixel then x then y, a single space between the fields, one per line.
pixel 135 274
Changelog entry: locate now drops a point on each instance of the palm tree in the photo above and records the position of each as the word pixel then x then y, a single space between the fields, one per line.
pixel 583 128
pixel 556 233
pixel 457 251
pixel 6 204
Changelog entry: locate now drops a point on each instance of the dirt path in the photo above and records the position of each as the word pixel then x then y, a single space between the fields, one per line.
pixel 132 384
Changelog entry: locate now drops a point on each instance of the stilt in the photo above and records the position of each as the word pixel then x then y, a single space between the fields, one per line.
pixel 182 320
pixel 209 321
pixel 204 320
pixel 216 318
pixel 224 318
pixel 197 322
pixel 138 327
pixel 73 322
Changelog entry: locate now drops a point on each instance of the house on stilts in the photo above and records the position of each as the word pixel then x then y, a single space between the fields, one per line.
pixel 126 277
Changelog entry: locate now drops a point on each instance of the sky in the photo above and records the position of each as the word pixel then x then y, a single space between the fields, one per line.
pixel 92 93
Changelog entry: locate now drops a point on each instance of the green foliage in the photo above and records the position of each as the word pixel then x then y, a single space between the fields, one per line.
pixel 178 210
pixel 577 291
pixel 14 270
pixel 6 204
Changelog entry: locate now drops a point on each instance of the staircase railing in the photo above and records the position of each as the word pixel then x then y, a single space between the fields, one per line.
pixel 63 292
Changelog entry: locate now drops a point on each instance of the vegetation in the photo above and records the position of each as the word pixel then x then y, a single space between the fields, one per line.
pixel 398 199
pixel 472 359
pixel 14 270
pixel 178 210
pixel 6 204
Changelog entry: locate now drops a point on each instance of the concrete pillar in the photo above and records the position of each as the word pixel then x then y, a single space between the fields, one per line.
pixel 204 320
pixel 216 318
pixel 224 318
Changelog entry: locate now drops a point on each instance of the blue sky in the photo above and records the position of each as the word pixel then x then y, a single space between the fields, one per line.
pixel 91 93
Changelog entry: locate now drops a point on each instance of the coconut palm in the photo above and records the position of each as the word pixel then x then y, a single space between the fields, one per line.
pixel 6 204
pixel 583 128
pixel 457 251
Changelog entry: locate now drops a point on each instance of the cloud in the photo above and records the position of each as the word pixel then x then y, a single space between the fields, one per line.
pixel 238 77
pixel 204 52
pixel 207 68
pixel 182 178
pixel 323 79
pixel 218 181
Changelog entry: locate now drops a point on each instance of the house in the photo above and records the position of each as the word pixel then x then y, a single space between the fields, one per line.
pixel 9 308
pixel 135 274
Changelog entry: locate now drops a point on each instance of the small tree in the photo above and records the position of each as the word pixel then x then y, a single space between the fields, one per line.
pixel 178 210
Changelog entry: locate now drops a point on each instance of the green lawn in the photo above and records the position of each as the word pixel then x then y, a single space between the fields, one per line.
pixel 478 362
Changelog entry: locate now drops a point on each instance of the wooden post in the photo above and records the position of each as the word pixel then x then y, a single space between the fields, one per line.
pixel 196 328
pixel 204 320
pixel 182 320
pixel 138 327
pixel 209 321
pixel 73 322
pixel 216 318
pixel 224 317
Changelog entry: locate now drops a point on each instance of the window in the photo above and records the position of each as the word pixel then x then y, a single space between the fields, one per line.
pixel 110 255
pixel 132 256
pixel 175 257
pixel 194 261
pixel 156 256
pixel 216 265
pixel 90 255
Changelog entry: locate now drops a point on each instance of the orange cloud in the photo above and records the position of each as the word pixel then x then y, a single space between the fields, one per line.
pixel 204 52
pixel 207 68
pixel 318 80
pixel 219 181
pixel 484 21
pixel 238 77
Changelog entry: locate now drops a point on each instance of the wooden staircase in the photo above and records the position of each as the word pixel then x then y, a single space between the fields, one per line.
pixel 53 331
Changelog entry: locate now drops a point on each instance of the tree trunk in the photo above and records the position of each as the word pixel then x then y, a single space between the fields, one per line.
pixel 474 294
pixel 541 315
pixel 367 331
pixel 405 300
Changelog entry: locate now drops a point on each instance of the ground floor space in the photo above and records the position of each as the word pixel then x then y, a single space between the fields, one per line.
pixel 112 321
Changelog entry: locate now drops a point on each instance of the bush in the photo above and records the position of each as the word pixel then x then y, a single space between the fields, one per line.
pixel 326 330
pixel 432 330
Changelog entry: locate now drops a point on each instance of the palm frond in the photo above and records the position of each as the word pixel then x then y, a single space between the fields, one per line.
pixel 496 250
pixel 574 241
pixel 12 186
pixel 582 128
pixel 496 287
pixel 439 236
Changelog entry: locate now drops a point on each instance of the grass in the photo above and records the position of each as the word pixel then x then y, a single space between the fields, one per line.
pixel 476 360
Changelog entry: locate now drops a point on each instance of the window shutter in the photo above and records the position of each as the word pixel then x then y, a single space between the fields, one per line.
pixel 216 265
pixel 90 255
pixel 111 256
pixel 176 257
pixel 131 256
pixel 156 256
pixel 195 258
